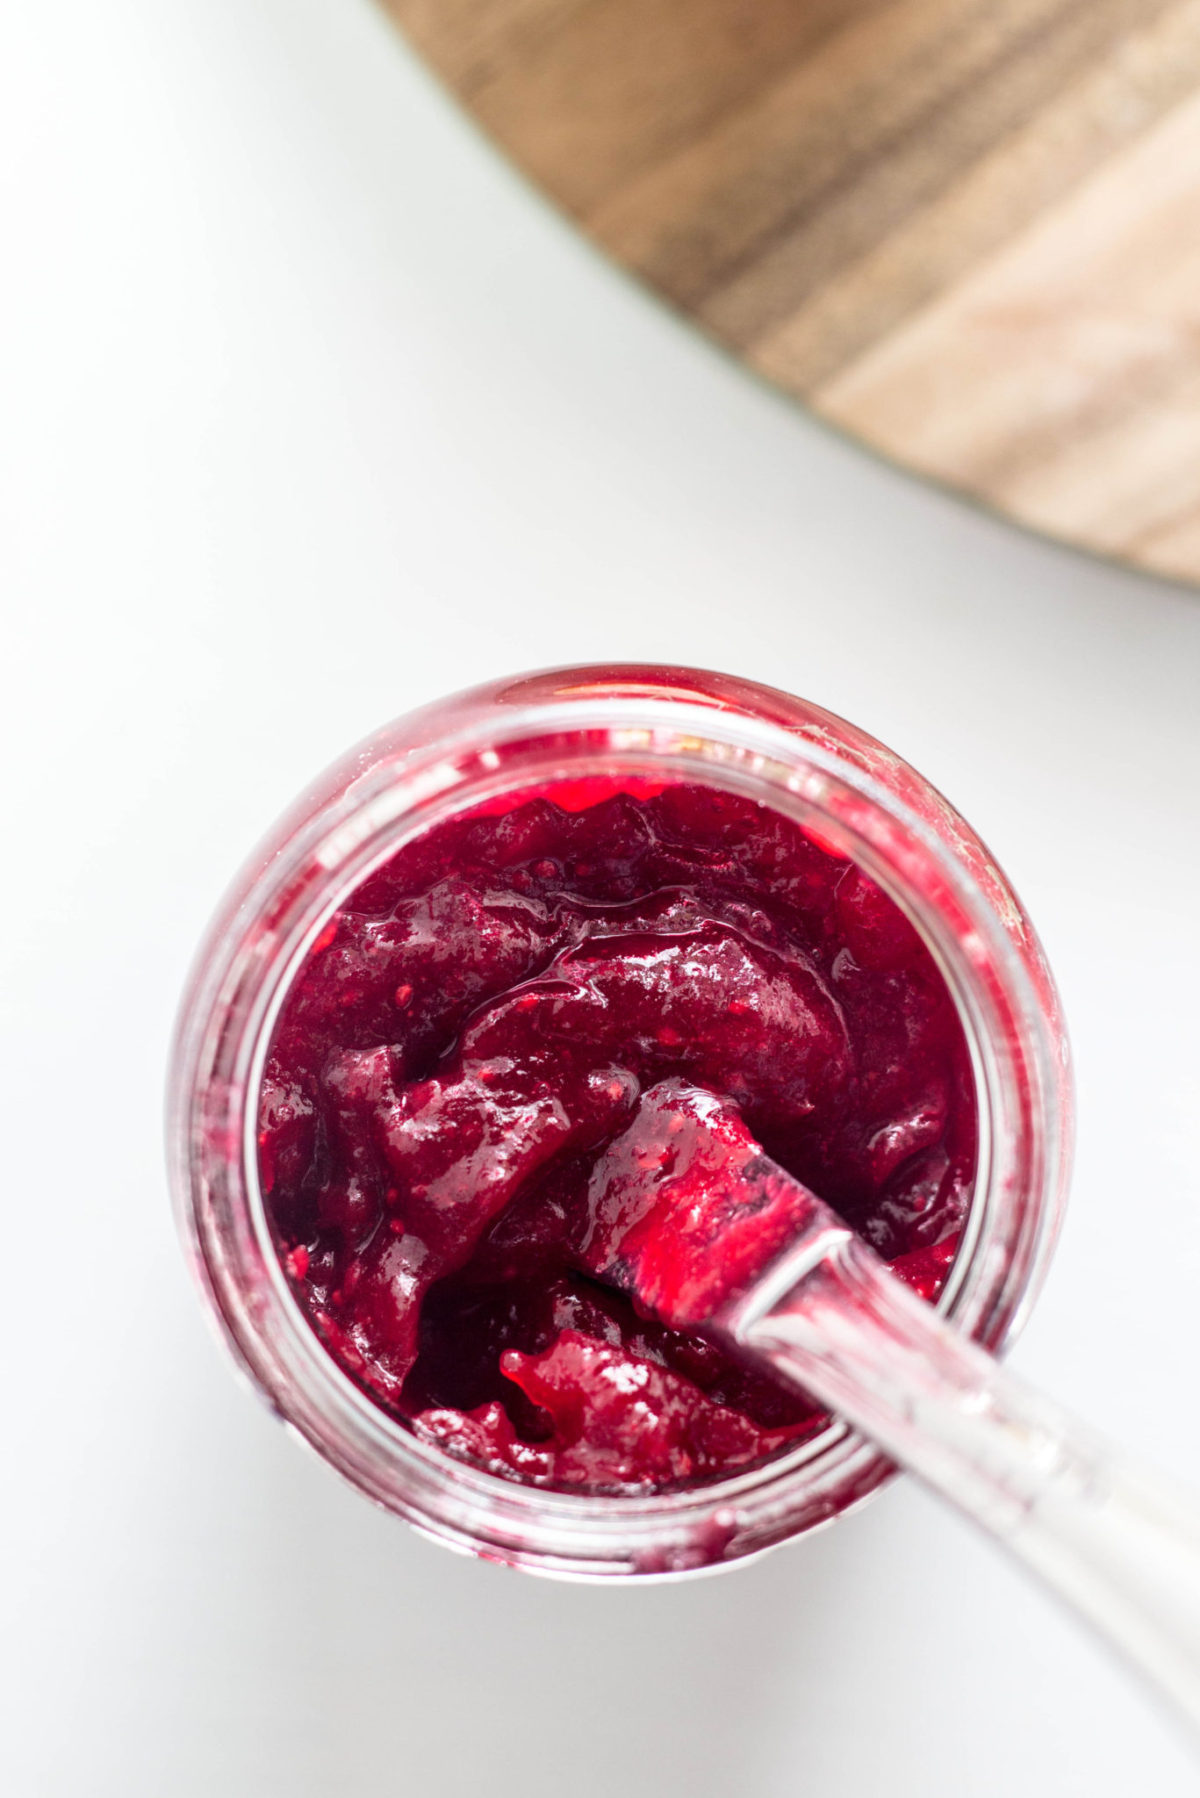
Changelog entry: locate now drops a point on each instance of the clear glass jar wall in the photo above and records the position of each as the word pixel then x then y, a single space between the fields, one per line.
pixel 850 793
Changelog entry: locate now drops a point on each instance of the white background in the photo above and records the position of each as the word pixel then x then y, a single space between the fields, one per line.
pixel 312 411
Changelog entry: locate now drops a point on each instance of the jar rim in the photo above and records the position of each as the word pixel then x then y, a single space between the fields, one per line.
pixel 262 939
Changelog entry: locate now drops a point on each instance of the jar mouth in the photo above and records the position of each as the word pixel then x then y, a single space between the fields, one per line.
pixel 256 954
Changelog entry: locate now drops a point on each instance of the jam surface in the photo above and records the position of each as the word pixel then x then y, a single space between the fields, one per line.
pixel 461 1066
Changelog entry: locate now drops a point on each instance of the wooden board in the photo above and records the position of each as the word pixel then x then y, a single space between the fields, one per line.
pixel 966 231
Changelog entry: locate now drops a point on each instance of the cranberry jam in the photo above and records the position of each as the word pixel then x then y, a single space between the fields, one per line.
pixel 476 1026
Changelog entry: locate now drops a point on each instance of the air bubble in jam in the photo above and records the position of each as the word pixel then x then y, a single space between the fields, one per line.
pixel 473 1033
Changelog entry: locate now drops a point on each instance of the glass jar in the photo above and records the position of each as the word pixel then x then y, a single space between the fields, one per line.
pixel 856 799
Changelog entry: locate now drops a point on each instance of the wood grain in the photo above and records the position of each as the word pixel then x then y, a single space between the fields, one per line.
pixel 966 231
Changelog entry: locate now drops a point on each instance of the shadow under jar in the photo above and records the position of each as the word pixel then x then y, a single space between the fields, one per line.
pixel 576 740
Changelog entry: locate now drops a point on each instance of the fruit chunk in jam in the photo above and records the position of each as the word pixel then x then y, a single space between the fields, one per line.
pixel 472 1034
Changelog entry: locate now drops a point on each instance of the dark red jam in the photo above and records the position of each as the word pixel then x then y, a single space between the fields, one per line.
pixel 471 1037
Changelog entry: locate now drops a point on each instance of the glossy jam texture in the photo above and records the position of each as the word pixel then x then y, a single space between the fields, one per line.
pixel 477 1026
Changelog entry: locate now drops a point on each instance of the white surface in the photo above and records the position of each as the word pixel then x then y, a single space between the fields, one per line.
pixel 313 411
